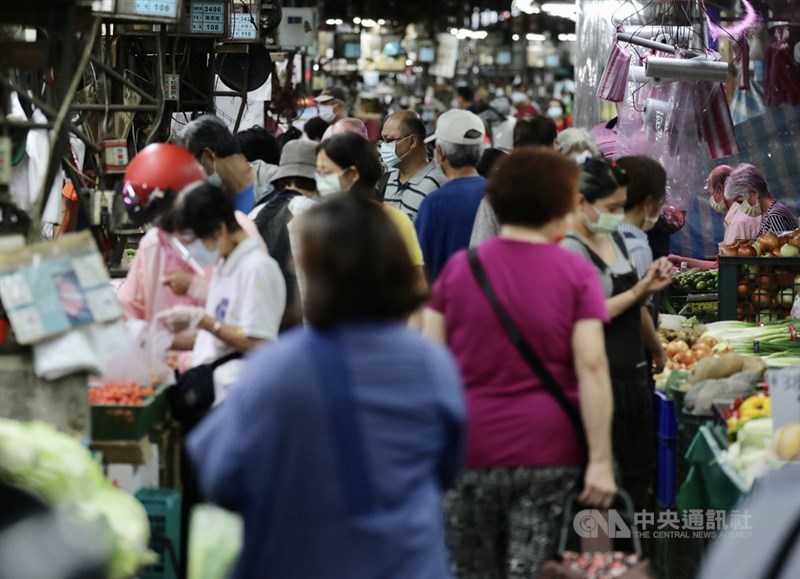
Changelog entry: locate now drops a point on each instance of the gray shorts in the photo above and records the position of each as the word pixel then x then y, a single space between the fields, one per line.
pixel 505 522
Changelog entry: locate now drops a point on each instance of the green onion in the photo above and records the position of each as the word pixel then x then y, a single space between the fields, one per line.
pixel 764 339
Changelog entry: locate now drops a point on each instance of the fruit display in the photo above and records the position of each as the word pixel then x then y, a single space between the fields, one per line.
pixel 59 470
pixel 742 410
pixel 697 281
pixel 118 394
pixel 786 442
pixel 768 245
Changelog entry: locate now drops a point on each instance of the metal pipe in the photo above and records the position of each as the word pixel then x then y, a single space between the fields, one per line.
pixel 96 107
pixel 119 78
pixel 644 42
pixel 159 89
pixel 46 110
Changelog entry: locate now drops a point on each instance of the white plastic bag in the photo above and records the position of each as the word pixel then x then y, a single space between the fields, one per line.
pixel 215 541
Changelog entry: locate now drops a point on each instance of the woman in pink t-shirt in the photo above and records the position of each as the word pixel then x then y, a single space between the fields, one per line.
pixel 524 455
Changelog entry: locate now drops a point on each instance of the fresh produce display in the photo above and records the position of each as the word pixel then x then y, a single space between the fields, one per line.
pixel 36 457
pixel 702 395
pixel 786 442
pixel 697 281
pixel 117 394
pixel 768 245
pixel 751 455
pixel 780 339
pixel 743 410
pixel 766 293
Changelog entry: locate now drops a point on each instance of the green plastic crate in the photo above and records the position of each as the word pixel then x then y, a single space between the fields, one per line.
pixel 163 508
pixel 750 270
pixel 114 422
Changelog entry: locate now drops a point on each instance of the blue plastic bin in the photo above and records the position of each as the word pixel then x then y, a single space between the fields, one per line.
pixel 665 413
pixel 666 485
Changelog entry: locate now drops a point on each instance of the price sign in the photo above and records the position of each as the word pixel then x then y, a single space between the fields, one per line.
pixel 207 18
pixel 784 389
pixel 163 8
pixel 243 27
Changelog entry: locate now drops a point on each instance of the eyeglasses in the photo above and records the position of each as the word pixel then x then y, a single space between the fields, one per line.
pixel 392 141
pixel 619 173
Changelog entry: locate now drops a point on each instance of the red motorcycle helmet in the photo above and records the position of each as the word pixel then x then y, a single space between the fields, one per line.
pixel 154 177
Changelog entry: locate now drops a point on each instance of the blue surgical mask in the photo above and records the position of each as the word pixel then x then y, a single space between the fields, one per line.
pixel 204 256
pixel 330 184
pixel 555 112
pixel 606 222
pixel 389 154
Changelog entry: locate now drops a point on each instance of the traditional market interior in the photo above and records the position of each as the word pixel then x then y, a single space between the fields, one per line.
pixel 444 289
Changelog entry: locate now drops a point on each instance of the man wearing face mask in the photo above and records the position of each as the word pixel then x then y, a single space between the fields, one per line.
pixel 331 106
pixel 746 183
pixel 211 142
pixel 446 216
pixel 738 225
pixel 413 177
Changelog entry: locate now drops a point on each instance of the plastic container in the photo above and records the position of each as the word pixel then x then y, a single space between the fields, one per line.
pixel 163 508
pixel 665 411
pixel 115 422
pixel 666 479
pixel 761 281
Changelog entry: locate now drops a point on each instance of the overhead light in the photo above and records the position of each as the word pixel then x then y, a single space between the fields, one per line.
pixel 356 20
pixel 535 37
pixel 568 11
pixel 515 37
pixel 368 23
pixel 409 62
pixel 381 22
pixel 567 37
pixel 526 6
pixel 454 31
pixel 330 22
pixel 339 22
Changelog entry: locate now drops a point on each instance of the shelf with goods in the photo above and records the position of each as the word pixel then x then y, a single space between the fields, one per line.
pixel 759 280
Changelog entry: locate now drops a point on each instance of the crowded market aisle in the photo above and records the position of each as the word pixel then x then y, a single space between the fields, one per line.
pixel 502 290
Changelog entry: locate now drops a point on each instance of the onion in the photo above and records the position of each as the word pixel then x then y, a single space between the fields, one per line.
pixel 686 358
pixel 747 251
pixel 676 347
pixel 706 340
pixel 743 289
pixel 768 242
pixel 761 298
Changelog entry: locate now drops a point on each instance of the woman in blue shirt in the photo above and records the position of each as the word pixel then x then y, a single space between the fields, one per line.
pixel 337 442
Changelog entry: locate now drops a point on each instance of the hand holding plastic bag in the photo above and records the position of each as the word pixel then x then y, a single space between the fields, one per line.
pixel 181 318
pixel 215 541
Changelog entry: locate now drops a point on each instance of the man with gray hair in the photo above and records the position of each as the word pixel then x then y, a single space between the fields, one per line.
pixel 347 125
pixel 747 184
pixel 212 143
pixel 446 216
pixel 737 224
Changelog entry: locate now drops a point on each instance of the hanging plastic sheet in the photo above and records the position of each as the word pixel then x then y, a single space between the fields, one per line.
pixel 767 141
pixel 596 33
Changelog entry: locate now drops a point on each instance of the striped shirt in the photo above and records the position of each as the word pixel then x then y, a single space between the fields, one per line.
pixel 407 197
pixel 638 248
pixel 778 219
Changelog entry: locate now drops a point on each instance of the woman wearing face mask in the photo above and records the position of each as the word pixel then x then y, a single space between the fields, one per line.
pixel 746 183
pixel 246 296
pixel 557 111
pixel 348 164
pixel 598 217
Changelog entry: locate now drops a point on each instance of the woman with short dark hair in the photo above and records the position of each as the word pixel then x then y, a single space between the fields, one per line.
pixel 338 442
pixel 524 453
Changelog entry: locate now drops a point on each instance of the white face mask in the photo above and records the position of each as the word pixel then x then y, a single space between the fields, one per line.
pixel 751 210
pixel 389 153
pixel 518 98
pixel 718 206
pixel 555 112
pixel 204 256
pixel 327 113
pixel 606 222
pixel 330 184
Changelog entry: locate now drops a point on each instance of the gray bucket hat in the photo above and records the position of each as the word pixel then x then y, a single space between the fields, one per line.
pixel 298 159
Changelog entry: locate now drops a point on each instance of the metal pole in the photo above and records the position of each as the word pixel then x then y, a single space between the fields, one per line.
pixel 119 78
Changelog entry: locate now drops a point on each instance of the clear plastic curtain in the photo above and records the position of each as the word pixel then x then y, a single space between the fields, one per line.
pixel 595 34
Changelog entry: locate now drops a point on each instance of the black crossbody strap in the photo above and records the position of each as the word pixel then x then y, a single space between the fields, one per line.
pixel 515 335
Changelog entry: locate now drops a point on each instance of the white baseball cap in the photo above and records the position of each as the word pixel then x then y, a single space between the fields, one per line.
pixel 459 127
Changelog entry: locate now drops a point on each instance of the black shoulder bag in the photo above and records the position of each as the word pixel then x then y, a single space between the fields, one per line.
pixel 193 393
pixel 548 382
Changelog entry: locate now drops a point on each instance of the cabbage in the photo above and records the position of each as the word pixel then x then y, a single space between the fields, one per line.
pixel 46 462
pixel 756 434
pixel 37 457
pixel 215 540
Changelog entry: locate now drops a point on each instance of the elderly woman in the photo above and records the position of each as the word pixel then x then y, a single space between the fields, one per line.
pixel 524 453
pixel 747 184
pixel 578 144
pixel 337 443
